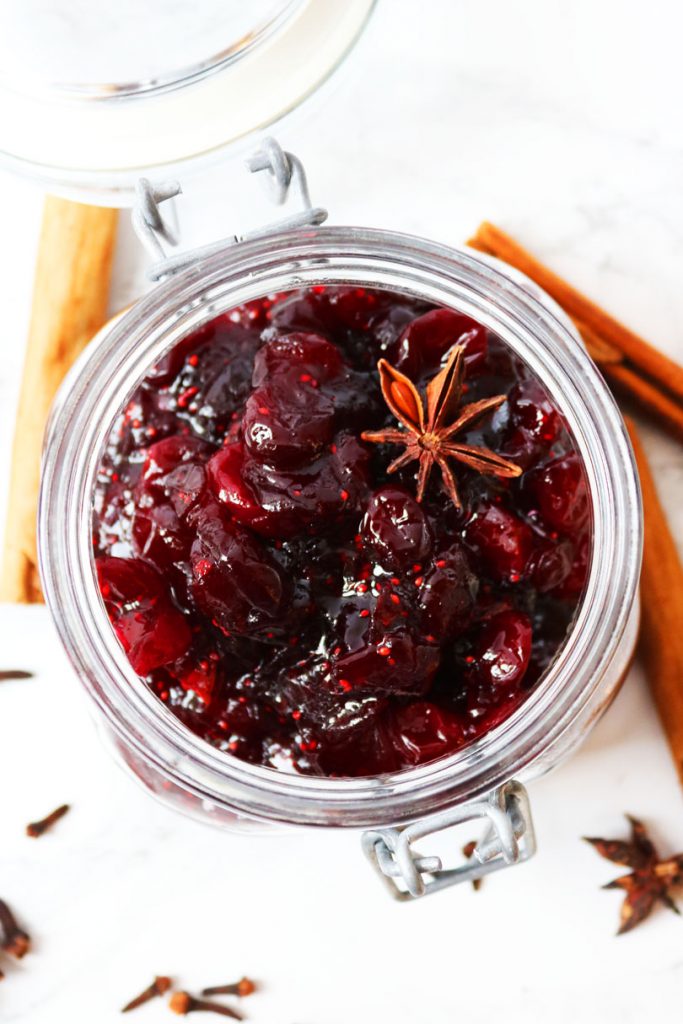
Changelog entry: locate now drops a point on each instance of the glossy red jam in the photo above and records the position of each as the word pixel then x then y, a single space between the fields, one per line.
pixel 284 596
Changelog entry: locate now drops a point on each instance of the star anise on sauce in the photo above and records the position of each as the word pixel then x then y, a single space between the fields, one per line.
pixel 651 879
pixel 429 434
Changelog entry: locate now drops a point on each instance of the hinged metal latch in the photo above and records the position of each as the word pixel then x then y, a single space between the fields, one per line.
pixel 286 178
pixel 509 839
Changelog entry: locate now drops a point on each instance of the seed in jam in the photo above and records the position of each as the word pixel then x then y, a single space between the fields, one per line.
pixel 286 598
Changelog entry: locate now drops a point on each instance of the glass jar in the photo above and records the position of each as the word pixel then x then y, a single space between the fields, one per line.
pixel 93 95
pixel 187 773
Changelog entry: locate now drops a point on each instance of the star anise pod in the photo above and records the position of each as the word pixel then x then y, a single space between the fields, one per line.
pixel 429 434
pixel 651 879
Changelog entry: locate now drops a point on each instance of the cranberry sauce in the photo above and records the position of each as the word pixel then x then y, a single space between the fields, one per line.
pixel 289 600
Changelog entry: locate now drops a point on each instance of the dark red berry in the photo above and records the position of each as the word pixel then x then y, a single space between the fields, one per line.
pixel 158 533
pixel 446 593
pixel 423 732
pixel 287 423
pixel 534 423
pixel 314 498
pixel 173 479
pixel 501 541
pixel 425 341
pixel 215 381
pixel 393 664
pixel 151 630
pixel 559 491
pixel 235 581
pixel 500 654
pixel 395 528
pixel 314 359
pixel 225 474
pixel 331 311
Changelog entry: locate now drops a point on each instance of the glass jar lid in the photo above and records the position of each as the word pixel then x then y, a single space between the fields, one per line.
pixel 93 95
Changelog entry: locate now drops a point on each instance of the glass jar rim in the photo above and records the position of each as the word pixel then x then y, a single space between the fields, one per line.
pixel 112 366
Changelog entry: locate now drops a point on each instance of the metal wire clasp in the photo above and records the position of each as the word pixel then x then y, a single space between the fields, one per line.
pixel 286 178
pixel 509 839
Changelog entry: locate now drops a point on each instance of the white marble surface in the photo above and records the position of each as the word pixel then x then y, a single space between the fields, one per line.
pixel 562 123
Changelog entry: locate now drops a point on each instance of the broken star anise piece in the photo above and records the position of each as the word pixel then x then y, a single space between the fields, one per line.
pixel 429 435
pixel 651 879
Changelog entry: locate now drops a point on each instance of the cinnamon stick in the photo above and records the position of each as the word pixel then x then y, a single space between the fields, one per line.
pixel 665 410
pixel 661 591
pixel 630 364
pixel 70 297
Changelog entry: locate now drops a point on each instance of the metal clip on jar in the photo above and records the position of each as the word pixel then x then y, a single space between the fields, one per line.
pixel 482 781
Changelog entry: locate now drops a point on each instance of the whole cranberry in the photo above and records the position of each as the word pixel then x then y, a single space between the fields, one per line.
pixel 559 490
pixel 534 423
pixel 315 359
pixel 150 628
pixel 159 535
pixel 287 423
pixel 387 327
pixel 235 581
pixel 166 455
pixel 427 339
pixel 446 595
pixel 395 528
pixel 283 503
pixel 532 411
pixel 225 474
pixel 170 485
pixel 500 654
pixel 501 540
pixel 422 732
pixel 173 471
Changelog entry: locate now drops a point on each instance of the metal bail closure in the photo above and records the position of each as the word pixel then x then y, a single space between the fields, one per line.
pixel 286 178
pixel 509 839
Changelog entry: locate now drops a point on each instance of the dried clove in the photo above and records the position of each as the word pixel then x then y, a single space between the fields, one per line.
pixel 15 941
pixel 243 987
pixel 14 673
pixel 159 987
pixel 36 828
pixel 183 1002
